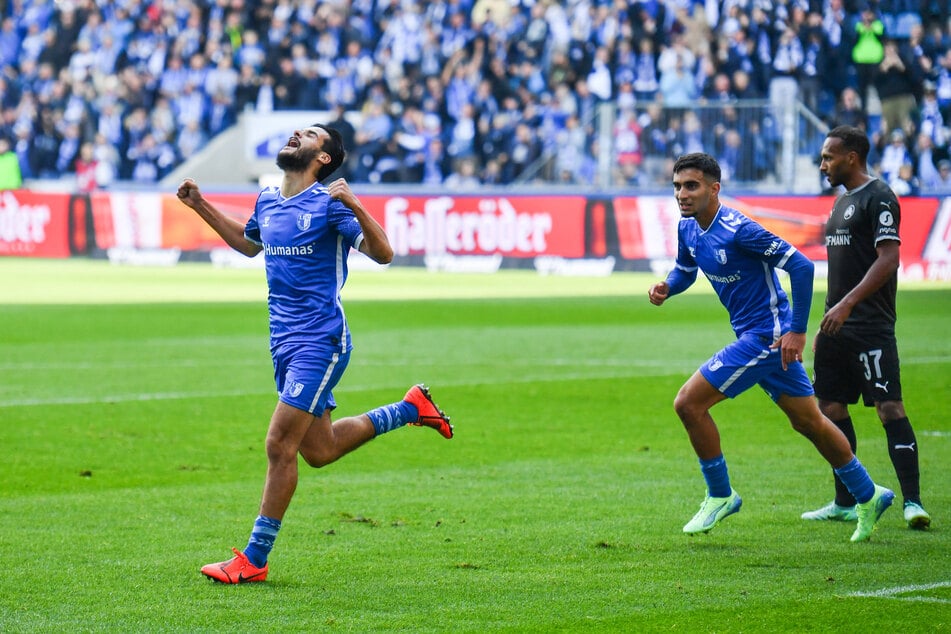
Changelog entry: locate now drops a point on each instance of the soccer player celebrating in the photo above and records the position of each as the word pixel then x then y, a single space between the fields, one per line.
pixel 855 350
pixel 306 231
pixel 740 259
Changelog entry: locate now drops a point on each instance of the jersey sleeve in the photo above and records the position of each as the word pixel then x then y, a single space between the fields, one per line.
pixel 885 215
pixel 684 273
pixel 343 220
pixel 767 246
pixel 252 230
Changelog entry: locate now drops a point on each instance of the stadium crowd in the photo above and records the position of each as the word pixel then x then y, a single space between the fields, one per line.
pixel 470 92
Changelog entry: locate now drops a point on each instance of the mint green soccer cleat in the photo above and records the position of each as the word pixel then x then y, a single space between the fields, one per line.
pixel 712 511
pixel 916 516
pixel 832 512
pixel 869 513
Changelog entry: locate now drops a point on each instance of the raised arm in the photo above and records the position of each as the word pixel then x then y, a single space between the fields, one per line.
pixel 375 243
pixel 231 230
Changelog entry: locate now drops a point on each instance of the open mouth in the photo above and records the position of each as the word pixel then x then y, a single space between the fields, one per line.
pixel 292 142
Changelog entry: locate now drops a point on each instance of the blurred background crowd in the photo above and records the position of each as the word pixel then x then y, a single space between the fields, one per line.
pixel 464 93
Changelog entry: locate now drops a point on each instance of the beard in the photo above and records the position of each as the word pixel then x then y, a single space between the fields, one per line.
pixel 297 161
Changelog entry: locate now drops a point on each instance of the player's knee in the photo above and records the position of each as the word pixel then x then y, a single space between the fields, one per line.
pixel 279 451
pixel 833 410
pixel 687 410
pixel 890 410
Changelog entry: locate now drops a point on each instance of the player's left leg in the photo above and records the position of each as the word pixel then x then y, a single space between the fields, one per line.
pixel 285 433
pixel 882 388
pixel 327 442
pixel 872 499
pixel 903 452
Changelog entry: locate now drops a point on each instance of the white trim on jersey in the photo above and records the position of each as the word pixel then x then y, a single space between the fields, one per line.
pixel 344 331
pixel 752 363
pixel 323 382
pixel 773 301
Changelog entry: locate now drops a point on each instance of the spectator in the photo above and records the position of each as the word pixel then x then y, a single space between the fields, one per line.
pixel 464 178
pixel 190 140
pixel 787 60
pixel 45 148
pixel 894 155
pixel 10 176
pixel 942 184
pixel 849 110
pixel 107 161
pixel 815 65
pixel 9 42
pixel 868 51
pixel 677 87
pixel 942 82
pixel 68 150
pixel 627 143
pixel 524 149
pixel 896 83
pixel 645 71
pixel 85 168
pixel 904 183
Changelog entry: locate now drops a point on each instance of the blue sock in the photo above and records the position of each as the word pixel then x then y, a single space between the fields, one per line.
pixel 392 416
pixel 262 540
pixel 718 479
pixel 857 481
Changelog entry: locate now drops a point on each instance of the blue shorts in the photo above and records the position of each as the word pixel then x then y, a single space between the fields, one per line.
pixel 305 376
pixel 749 361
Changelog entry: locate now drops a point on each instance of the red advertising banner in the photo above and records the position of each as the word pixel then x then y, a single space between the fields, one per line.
pixel 647 228
pixel 34 224
pixel 466 232
pixel 511 226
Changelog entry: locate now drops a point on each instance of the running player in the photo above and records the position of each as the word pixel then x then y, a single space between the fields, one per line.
pixel 740 259
pixel 306 231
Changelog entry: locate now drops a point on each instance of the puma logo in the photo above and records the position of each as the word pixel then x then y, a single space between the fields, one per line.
pixel 881 386
pixel 911 447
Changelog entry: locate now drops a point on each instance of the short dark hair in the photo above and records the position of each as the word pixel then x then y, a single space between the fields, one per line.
pixel 334 147
pixel 699 161
pixel 853 140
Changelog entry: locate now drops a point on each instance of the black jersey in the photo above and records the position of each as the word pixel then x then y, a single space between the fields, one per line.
pixel 860 220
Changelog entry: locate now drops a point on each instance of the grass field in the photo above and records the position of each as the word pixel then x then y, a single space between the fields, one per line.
pixel 133 404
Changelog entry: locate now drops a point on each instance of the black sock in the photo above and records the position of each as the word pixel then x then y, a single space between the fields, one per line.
pixel 903 450
pixel 842 495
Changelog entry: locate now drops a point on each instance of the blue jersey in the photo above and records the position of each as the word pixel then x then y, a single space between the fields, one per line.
pixel 740 259
pixel 306 239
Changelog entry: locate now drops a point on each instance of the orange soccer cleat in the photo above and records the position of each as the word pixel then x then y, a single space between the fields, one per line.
pixel 429 414
pixel 236 570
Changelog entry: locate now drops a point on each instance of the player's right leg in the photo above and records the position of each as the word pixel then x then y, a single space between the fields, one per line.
pixel 872 500
pixel 285 433
pixel 836 385
pixel 692 404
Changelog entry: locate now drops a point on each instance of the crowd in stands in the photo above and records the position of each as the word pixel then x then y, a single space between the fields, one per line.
pixel 465 93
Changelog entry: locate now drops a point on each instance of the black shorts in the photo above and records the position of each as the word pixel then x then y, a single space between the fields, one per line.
pixel 848 365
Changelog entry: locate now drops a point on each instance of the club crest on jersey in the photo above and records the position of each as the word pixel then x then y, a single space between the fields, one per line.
pixel 716 364
pixel 267 221
pixel 720 255
pixel 303 221
pixel 849 212
pixel 295 388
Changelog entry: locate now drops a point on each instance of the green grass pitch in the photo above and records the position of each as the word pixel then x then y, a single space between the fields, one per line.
pixel 133 405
